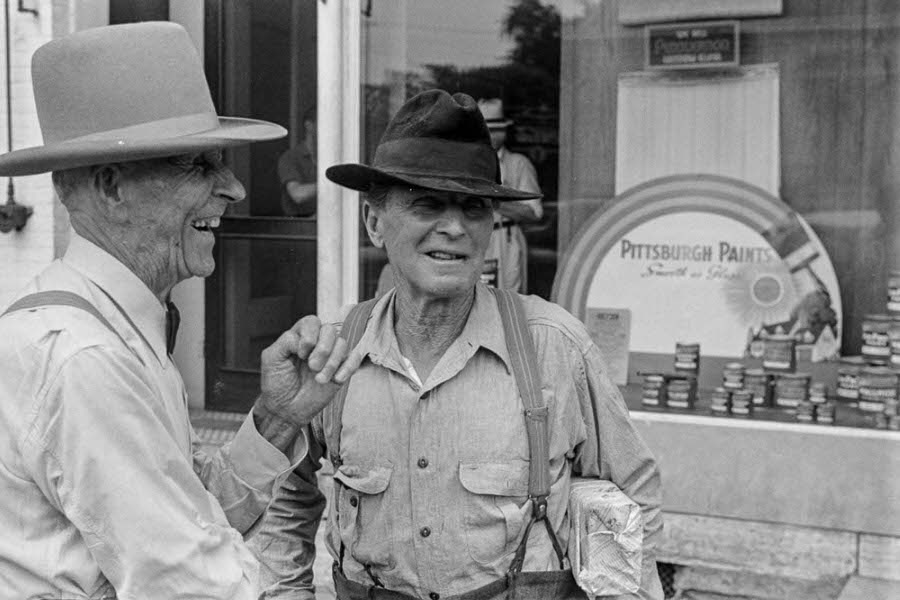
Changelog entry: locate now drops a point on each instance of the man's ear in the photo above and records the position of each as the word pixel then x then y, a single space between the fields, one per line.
pixel 372 219
pixel 106 181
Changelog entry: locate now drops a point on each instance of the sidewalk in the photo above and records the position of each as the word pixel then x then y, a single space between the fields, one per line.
pixel 217 428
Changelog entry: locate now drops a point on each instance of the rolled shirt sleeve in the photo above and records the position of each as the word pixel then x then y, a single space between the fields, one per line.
pixel 286 541
pixel 244 472
pixel 103 451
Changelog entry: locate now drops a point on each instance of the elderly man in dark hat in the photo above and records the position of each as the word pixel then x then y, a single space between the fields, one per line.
pixel 455 443
pixel 104 493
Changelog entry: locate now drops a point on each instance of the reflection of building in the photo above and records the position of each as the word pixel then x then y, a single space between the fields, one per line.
pixel 809 115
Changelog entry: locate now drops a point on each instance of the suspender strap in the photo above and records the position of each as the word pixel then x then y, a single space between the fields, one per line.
pixel 60 298
pixel 352 330
pixel 525 369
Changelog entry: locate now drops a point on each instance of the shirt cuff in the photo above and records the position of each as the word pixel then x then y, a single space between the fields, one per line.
pixel 258 462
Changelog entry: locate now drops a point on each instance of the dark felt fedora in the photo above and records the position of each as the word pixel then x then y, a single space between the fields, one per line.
pixel 435 141
pixel 125 92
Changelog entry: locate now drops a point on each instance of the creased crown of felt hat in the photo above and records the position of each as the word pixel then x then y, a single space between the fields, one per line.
pixel 492 109
pixel 125 92
pixel 435 141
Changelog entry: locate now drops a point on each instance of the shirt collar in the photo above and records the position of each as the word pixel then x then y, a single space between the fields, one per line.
pixel 138 302
pixel 483 329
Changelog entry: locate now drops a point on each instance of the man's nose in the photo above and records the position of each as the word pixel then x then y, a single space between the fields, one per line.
pixel 227 186
pixel 451 221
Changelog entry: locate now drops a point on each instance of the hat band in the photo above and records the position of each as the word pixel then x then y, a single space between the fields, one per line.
pixel 172 127
pixel 437 157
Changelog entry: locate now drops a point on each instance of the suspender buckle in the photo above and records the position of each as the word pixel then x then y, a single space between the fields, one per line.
pixel 538 507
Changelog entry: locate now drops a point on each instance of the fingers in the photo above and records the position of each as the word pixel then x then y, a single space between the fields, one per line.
pixel 338 353
pixel 323 348
pixel 326 353
pixel 309 332
pixel 351 364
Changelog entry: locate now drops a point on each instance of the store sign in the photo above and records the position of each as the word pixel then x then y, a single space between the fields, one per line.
pixel 693 45
pixel 701 259
pixel 720 279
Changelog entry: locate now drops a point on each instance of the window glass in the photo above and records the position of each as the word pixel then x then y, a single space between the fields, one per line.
pixel 492 50
pixel 714 179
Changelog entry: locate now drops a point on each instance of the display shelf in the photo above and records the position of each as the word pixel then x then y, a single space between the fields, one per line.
pixel 844 415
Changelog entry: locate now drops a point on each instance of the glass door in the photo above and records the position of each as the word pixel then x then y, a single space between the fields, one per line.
pixel 261 63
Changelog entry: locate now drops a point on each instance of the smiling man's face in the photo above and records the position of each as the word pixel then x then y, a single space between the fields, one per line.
pixel 435 241
pixel 174 204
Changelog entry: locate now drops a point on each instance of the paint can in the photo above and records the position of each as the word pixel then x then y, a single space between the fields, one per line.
pixel 877 386
pixel 778 353
pixel 876 341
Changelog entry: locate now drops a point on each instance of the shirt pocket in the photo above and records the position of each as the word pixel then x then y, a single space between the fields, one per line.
pixel 364 518
pixel 495 507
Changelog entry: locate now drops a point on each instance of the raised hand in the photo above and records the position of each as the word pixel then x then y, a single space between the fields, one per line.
pixel 302 370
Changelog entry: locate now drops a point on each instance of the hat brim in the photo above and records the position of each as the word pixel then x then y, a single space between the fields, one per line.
pixel 362 177
pixel 232 131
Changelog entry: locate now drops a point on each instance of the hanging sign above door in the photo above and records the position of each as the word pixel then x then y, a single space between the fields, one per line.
pixel 711 44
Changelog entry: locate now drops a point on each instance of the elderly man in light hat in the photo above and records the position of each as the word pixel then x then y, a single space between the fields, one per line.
pixel 104 493
pixel 507 253
pixel 455 443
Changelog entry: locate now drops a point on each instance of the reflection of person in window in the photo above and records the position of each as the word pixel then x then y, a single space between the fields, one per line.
pixel 508 246
pixel 297 172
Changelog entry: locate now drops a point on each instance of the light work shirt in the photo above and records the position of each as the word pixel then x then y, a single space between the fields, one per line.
pixel 432 493
pixel 105 493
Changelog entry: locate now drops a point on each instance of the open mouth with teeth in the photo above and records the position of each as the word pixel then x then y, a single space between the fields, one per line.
pixel 205 224
pixel 446 256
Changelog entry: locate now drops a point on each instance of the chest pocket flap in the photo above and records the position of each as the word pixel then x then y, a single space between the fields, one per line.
pixel 373 480
pixel 500 478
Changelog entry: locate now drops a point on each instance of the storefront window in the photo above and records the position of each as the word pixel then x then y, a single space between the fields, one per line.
pixel 718 181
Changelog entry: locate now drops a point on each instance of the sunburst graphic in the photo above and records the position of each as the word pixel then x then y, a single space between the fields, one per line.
pixel 761 293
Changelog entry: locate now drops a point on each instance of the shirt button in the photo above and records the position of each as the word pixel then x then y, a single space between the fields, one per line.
pixel 423 462
pixel 434 596
pixel 354 501
pixel 425 532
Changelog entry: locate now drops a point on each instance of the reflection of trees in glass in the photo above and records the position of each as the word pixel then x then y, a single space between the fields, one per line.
pixel 530 78
pixel 535 29
pixel 528 83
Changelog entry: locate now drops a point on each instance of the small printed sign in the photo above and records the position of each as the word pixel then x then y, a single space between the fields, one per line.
pixel 713 44
pixel 610 328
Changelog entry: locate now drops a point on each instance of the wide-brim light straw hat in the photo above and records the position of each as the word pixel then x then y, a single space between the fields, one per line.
pixel 435 141
pixel 121 93
pixel 492 109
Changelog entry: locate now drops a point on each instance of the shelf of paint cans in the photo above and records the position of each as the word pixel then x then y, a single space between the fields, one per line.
pixel 864 395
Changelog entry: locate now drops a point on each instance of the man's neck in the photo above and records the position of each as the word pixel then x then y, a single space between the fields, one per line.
pixel 425 330
pixel 106 239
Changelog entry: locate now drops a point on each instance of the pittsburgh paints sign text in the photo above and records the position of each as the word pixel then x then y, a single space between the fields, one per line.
pixel 721 256
pixel 723 252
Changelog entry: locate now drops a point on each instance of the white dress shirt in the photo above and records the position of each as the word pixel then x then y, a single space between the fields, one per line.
pixel 104 493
